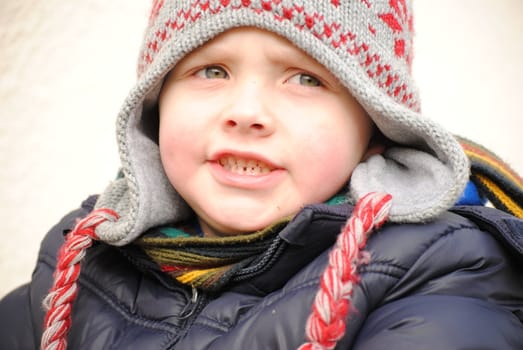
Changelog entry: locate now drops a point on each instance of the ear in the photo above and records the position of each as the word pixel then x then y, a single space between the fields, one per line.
pixel 377 144
pixel 374 148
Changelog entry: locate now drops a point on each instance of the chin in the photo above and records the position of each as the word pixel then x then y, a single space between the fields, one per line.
pixel 233 229
pixel 233 222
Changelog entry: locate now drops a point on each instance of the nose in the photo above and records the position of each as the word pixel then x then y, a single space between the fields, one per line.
pixel 248 112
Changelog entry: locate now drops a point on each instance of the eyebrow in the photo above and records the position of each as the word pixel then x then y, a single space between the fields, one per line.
pixel 280 54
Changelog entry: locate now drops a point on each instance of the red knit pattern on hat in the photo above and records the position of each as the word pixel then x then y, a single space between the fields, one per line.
pixel 369 55
pixel 59 301
pixel 326 324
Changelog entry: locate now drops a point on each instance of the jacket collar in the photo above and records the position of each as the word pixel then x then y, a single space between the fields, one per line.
pixel 313 230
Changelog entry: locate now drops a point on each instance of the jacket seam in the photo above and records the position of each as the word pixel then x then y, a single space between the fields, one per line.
pixel 224 327
pixel 425 247
pixel 377 269
pixel 447 232
pixel 504 228
pixel 122 309
pixel 47 259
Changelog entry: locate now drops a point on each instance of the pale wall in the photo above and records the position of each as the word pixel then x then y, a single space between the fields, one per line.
pixel 65 67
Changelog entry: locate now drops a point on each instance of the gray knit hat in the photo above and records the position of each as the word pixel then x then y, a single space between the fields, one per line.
pixel 366 44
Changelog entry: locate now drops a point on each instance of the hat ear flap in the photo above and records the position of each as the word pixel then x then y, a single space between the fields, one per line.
pixel 420 183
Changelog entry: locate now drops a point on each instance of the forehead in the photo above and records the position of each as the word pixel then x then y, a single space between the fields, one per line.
pixel 250 37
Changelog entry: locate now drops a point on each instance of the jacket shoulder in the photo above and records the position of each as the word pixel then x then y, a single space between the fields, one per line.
pixel 505 227
pixel 21 311
pixel 434 273
pixel 455 254
pixel 55 237
pixel 113 295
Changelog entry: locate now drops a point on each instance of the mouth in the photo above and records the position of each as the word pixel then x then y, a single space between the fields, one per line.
pixel 244 166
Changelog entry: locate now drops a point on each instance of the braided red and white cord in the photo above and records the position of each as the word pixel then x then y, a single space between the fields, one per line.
pixel 59 301
pixel 326 324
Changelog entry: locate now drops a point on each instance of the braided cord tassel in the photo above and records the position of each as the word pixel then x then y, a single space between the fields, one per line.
pixel 59 301
pixel 326 324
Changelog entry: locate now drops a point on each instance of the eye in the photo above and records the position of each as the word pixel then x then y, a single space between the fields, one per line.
pixel 305 80
pixel 212 72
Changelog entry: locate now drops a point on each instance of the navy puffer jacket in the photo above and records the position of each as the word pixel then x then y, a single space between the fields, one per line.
pixel 456 283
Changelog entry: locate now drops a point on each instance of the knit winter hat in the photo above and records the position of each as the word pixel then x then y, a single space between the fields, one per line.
pixel 366 44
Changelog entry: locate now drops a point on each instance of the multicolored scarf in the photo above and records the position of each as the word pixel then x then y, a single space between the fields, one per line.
pixel 494 178
pixel 209 263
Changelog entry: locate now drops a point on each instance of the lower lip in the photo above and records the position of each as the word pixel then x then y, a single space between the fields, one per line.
pixel 252 182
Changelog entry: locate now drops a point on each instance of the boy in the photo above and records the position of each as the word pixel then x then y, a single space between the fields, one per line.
pixel 253 128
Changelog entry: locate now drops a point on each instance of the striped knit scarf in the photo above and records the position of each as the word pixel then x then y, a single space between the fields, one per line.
pixel 209 263
pixel 494 178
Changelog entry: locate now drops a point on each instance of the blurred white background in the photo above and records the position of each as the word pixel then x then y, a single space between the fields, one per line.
pixel 66 66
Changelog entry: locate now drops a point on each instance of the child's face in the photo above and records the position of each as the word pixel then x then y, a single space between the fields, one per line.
pixel 252 129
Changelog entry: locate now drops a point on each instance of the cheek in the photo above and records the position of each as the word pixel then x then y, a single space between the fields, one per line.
pixel 332 152
pixel 178 128
pixel 175 145
pixel 334 160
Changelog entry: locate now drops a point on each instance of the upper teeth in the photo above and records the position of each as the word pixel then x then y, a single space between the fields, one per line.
pixel 244 166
